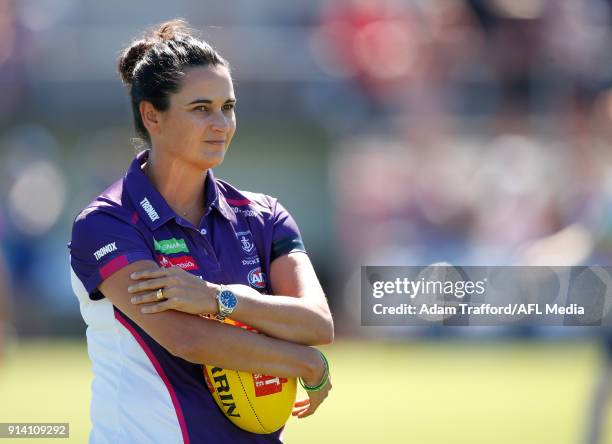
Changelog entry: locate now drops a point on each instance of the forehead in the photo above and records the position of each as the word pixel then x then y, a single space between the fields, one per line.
pixel 210 82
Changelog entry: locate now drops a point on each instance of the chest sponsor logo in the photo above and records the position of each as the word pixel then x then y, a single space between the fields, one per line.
pixel 109 248
pixel 250 261
pixel 171 246
pixel 163 261
pixel 267 385
pixel 256 278
pixel 246 241
pixel 184 262
pixel 146 205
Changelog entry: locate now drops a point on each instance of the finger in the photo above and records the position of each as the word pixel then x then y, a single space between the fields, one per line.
pixel 308 410
pixel 150 284
pixel 298 411
pixel 302 403
pixel 145 298
pixel 157 308
pixel 149 274
pixel 305 413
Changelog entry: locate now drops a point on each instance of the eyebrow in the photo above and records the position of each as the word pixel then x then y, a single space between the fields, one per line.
pixel 209 101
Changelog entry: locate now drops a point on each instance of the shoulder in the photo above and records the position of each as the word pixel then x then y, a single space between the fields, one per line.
pixel 107 229
pixel 111 211
pixel 279 227
pixel 106 236
pixel 269 212
pixel 112 203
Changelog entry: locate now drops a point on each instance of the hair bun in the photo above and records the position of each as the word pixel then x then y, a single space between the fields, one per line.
pixel 130 58
pixel 171 29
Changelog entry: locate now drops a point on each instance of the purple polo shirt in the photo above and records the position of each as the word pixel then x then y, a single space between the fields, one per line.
pixel 239 236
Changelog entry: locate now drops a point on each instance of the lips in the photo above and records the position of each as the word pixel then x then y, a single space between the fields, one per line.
pixel 215 142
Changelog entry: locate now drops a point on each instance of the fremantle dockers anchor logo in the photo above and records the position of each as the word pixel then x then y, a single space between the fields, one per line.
pixel 245 241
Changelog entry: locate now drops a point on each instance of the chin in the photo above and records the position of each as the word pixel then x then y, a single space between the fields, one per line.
pixel 210 161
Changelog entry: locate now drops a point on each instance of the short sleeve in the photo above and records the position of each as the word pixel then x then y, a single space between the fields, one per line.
pixel 101 245
pixel 286 236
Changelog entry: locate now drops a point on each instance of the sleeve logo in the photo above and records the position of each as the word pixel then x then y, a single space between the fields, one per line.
pixel 109 248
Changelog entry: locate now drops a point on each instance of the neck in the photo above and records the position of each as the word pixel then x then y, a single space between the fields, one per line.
pixel 181 185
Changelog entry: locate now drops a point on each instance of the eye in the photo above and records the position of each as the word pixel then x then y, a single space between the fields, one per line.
pixel 202 108
pixel 229 106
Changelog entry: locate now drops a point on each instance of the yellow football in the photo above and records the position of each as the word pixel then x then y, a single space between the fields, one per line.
pixel 254 402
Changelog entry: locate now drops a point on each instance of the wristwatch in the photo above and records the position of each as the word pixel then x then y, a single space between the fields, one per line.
pixel 226 302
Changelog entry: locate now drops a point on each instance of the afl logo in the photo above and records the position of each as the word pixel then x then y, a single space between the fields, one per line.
pixel 256 278
pixel 245 241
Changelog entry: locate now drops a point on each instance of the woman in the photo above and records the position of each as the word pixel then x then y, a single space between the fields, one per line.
pixel 170 242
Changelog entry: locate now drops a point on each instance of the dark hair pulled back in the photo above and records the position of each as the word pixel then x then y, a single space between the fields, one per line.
pixel 152 67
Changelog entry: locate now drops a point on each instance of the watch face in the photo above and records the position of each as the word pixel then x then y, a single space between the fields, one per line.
pixel 227 299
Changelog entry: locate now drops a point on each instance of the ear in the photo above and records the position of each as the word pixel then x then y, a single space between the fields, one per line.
pixel 150 117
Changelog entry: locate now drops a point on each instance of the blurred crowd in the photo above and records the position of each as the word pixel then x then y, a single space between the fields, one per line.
pixel 472 132
pixel 483 131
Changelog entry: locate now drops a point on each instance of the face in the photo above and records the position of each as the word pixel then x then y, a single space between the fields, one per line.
pixel 200 122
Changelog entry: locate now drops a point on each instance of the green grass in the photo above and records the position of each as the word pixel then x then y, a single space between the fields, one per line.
pixel 383 393
pixel 47 382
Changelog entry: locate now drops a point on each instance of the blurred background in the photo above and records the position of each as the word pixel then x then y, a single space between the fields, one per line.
pixel 397 132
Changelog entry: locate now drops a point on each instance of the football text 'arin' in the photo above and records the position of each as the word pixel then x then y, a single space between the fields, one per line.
pixel 222 385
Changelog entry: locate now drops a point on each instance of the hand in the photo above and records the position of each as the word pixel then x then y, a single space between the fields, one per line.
pixel 182 291
pixel 307 407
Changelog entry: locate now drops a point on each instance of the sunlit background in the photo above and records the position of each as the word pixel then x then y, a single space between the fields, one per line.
pixel 407 132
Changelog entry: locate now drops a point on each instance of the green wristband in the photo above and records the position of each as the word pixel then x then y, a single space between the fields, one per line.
pixel 323 382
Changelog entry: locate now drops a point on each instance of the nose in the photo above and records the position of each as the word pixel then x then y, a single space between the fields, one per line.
pixel 220 123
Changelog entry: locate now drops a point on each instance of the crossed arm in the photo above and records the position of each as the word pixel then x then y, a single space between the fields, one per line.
pixel 299 317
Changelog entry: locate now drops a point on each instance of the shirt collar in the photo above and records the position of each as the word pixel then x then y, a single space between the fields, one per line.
pixel 215 199
pixel 151 205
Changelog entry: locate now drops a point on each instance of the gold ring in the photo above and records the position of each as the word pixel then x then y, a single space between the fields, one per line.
pixel 160 294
